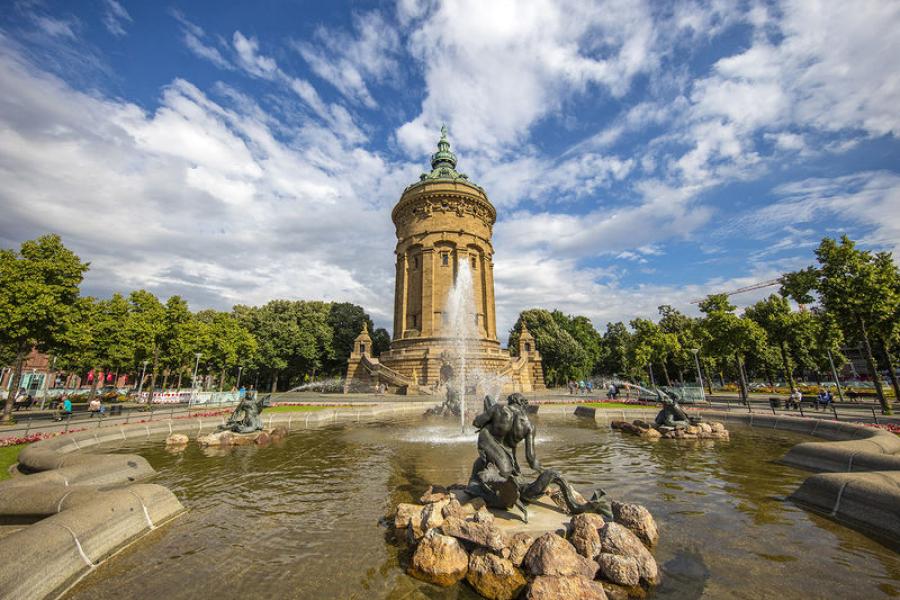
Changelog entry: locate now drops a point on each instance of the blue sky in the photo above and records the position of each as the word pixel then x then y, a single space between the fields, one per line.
pixel 638 153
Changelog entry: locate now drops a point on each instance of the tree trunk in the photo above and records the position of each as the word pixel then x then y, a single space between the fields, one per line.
pixel 873 369
pixel 178 383
pixel 274 382
pixel 885 353
pixel 94 384
pixel 708 380
pixel 153 375
pixel 786 367
pixel 742 384
pixel 666 373
pixel 165 379
pixel 14 382
pixel 222 380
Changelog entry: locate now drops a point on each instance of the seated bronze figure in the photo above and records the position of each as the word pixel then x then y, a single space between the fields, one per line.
pixel 245 418
pixel 496 476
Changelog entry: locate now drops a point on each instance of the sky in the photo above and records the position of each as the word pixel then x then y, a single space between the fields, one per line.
pixel 638 153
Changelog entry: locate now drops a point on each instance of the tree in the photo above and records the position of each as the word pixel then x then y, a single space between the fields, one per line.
pixel 146 325
pixel 858 288
pixel 228 342
pixel 346 321
pixel 181 339
pixel 783 328
pixel 561 354
pixel 381 341
pixel 685 330
pixel 731 338
pixel 38 293
pixel 614 350
pixel 650 344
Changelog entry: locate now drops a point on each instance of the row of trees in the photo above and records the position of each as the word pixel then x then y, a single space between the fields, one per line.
pixel 283 342
pixel 852 297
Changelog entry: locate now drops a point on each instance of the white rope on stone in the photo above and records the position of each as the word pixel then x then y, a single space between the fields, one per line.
pixel 81 553
pixel 837 501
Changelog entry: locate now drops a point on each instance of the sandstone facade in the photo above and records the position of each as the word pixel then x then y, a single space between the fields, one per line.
pixel 442 222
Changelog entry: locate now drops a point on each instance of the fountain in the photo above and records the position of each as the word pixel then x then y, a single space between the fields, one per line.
pixel 461 328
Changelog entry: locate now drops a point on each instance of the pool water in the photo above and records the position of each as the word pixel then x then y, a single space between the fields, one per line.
pixel 300 519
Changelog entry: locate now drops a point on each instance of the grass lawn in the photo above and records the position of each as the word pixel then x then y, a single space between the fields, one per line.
pixel 299 408
pixel 616 405
pixel 8 456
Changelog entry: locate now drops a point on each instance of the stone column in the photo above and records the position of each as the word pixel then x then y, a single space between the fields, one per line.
pixel 427 328
pixel 490 312
pixel 399 295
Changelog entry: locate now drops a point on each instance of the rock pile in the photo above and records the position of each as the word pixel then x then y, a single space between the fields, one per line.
pixel 228 438
pixel 700 431
pixel 455 537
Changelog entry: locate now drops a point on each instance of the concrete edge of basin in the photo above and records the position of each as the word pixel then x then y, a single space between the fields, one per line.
pixel 83 509
pixel 858 483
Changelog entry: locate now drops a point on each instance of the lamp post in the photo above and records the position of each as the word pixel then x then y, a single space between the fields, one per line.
pixel 197 355
pixel 238 386
pixel 141 384
pixel 696 352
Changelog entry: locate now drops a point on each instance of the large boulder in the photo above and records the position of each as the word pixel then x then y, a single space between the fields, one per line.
pixel 494 577
pixel 405 513
pixel 480 531
pixel 638 519
pixel 519 544
pixel 548 587
pixel 585 536
pixel 552 555
pixel 177 439
pixel 619 540
pixel 439 559
pixel 621 570
pixel 429 517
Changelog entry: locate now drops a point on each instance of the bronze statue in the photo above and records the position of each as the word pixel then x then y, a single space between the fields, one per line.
pixel 496 476
pixel 245 418
pixel 672 415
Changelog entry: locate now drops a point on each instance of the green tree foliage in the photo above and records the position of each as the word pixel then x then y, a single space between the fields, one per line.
pixel 228 342
pixel 381 341
pixel 38 292
pixel 346 321
pixel 686 336
pixel 730 338
pixel 788 331
pixel 562 356
pixel 614 350
pixel 859 289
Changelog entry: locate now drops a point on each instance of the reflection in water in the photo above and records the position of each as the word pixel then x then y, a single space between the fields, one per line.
pixel 313 504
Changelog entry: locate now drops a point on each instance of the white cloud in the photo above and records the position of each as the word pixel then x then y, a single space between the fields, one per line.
pixel 115 17
pixel 251 60
pixel 194 198
pixel 504 66
pixel 194 39
pixel 348 61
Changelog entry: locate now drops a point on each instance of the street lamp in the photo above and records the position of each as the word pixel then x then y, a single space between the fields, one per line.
pixel 194 379
pixel 696 352
pixel 141 384
pixel 238 386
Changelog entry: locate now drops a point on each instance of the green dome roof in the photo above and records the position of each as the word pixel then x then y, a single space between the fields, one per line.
pixel 443 162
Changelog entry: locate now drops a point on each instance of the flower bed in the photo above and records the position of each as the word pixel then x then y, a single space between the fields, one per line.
pixel 892 427
pixel 33 437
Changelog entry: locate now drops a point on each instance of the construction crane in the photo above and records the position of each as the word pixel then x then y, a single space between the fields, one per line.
pixel 748 288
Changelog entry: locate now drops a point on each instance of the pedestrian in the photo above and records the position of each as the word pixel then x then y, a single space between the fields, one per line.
pixel 94 407
pixel 796 397
pixel 590 387
pixel 67 407
pixel 611 392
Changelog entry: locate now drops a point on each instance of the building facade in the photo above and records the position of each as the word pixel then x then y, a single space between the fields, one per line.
pixel 442 221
